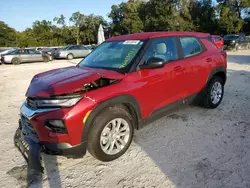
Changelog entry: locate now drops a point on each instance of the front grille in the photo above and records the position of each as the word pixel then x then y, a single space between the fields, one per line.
pixel 31 103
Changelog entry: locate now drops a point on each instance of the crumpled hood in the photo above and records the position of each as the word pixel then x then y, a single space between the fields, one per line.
pixel 66 80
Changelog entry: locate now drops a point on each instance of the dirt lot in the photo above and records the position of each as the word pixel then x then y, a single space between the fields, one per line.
pixel 194 147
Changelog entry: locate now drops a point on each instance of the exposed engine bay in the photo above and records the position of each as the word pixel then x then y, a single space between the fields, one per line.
pixel 101 82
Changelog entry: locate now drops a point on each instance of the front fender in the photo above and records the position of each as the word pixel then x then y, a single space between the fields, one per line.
pixel 129 100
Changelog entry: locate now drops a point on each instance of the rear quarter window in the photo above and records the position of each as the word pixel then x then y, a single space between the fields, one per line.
pixel 190 46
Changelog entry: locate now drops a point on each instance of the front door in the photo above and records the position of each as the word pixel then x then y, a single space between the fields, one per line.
pixel 160 86
pixel 23 55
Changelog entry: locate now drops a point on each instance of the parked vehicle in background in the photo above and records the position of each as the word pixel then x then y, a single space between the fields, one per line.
pixel 97 104
pixel 5 52
pixel 23 55
pixel 236 42
pixel 51 52
pixel 70 52
pixel 218 41
pixel 39 48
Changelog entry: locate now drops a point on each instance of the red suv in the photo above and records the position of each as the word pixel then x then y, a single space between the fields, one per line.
pixel 98 104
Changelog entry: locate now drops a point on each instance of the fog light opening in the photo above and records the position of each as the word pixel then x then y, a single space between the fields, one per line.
pixel 56 126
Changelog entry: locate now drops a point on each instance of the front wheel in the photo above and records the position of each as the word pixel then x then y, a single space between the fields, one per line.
pixel 214 93
pixel 111 134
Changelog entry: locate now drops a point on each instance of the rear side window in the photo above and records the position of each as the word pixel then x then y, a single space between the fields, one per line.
pixel 33 52
pixel 74 48
pixel 191 46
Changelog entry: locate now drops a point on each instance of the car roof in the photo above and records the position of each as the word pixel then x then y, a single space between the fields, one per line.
pixel 147 35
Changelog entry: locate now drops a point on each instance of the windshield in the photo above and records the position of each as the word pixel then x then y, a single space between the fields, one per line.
pixel 11 51
pixel 112 55
pixel 230 37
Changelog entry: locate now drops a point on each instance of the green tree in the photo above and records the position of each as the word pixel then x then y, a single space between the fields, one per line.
pixel 78 20
pixel 126 18
pixel 7 35
pixel 228 21
pixel 203 15
pixel 60 20
pixel 161 15
pixel 90 27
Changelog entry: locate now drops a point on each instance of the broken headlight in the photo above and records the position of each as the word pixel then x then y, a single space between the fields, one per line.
pixel 60 102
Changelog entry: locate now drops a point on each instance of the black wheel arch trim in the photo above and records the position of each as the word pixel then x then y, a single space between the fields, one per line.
pixel 129 101
pixel 219 69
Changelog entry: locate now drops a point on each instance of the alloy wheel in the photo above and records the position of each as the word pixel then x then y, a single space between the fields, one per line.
pixel 115 136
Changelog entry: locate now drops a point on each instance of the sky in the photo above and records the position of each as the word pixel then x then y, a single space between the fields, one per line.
pixel 20 14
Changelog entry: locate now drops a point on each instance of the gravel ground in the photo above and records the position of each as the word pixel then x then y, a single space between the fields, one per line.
pixel 193 147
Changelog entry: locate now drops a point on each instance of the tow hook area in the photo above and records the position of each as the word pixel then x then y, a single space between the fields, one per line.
pixel 29 148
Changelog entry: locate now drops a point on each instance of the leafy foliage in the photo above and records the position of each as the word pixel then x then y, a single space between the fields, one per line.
pixel 133 16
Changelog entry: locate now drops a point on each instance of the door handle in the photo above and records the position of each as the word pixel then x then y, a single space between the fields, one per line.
pixel 178 69
pixel 209 60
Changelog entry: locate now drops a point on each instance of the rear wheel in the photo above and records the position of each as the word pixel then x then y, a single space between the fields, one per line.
pixel 70 56
pixel 236 48
pixel 45 59
pixel 111 134
pixel 15 61
pixel 214 93
pixel 247 46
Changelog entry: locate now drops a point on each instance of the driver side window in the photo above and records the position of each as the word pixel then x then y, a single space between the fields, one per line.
pixel 164 48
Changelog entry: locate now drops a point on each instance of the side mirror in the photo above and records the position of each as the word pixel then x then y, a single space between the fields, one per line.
pixel 153 63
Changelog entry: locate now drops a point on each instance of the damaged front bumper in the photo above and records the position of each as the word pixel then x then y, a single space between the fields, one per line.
pixel 26 138
pixel 23 142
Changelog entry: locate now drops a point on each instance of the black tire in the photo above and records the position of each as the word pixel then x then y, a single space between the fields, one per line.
pixel 51 58
pixel 94 145
pixel 207 98
pixel 15 61
pixel 45 59
pixel 70 56
pixel 247 46
pixel 236 47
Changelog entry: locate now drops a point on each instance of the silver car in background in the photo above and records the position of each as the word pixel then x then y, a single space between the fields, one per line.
pixel 23 55
pixel 70 52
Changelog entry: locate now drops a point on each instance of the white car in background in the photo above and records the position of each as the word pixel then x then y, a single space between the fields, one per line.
pixel 22 55
pixel 71 52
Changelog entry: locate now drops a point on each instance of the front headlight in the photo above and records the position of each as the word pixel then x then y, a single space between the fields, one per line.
pixel 65 102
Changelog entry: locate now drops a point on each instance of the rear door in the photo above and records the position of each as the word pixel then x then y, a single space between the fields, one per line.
pixel 75 51
pixel 195 60
pixel 35 55
pixel 83 51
